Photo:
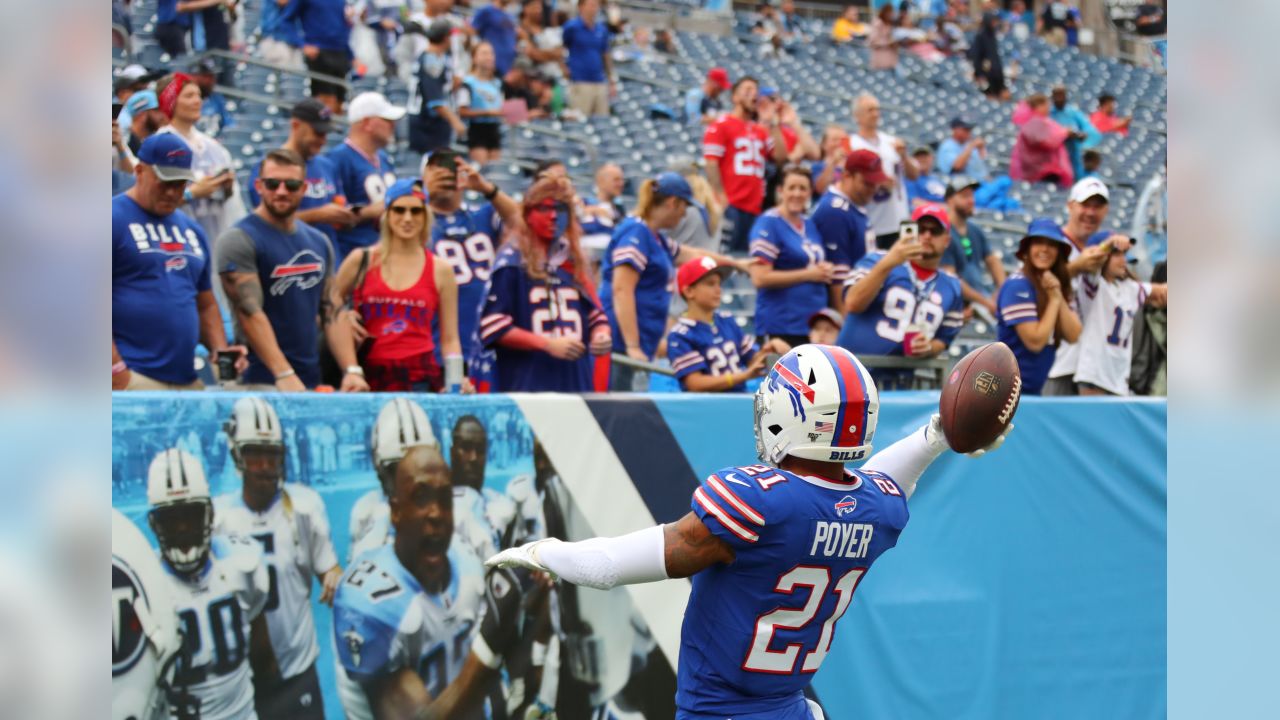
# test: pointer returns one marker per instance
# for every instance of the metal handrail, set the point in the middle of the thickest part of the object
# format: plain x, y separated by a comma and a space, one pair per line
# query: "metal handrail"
128, 39
561, 134
283, 103
631, 362
324, 77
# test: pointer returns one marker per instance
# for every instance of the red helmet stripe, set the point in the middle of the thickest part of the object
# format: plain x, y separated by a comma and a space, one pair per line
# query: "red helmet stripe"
853, 396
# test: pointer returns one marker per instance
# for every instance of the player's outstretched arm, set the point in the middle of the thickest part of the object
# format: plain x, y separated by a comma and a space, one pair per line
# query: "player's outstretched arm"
906, 460
676, 550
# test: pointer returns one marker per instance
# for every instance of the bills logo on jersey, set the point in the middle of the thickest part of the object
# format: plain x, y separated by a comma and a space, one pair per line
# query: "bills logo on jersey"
355, 641
847, 504
304, 270
127, 639
174, 264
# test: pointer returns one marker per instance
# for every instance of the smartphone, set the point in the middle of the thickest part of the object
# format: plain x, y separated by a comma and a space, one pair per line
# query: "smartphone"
227, 365
448, 160
908, 232
116, 107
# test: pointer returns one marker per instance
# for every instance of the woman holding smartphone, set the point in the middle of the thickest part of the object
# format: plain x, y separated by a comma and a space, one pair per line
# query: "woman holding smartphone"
1034, 313
400, 290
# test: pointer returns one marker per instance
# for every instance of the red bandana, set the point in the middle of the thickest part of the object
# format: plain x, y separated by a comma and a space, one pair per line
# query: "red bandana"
169, 98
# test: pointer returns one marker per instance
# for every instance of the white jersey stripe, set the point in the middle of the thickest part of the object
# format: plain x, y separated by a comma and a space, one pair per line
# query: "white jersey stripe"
723, 517
747, 511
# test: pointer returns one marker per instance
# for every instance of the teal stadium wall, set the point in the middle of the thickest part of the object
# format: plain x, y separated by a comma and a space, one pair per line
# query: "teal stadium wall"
1027, 584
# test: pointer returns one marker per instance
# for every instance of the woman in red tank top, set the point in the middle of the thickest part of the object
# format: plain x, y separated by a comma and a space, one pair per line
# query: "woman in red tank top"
400, 289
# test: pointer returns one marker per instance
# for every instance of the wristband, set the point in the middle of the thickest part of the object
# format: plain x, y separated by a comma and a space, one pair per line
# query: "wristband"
728, 382
492, 193
350, 370
287, 373
118, 368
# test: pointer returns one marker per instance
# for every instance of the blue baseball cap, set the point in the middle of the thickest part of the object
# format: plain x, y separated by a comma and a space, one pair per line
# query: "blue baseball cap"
141, 101
1043, 228
673, 184
768, 91
401, 188
168, 155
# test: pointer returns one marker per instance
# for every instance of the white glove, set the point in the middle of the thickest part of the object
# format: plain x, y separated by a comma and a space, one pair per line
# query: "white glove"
935, 435
522, 556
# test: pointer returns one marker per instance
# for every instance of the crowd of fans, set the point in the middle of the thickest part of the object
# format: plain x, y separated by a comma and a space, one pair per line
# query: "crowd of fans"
331, 270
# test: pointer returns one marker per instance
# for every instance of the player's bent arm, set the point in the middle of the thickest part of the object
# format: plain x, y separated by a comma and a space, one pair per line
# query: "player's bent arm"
398, 696
689, 547
600, 563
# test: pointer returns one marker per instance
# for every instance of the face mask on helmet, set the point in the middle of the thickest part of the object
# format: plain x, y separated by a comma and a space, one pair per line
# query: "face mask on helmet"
183, 530
548, 220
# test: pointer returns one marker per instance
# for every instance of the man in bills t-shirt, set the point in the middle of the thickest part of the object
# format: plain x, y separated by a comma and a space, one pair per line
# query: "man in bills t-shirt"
734, 147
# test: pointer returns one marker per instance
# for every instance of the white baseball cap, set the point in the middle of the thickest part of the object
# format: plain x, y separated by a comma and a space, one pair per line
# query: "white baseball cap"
371, 105
1087, 188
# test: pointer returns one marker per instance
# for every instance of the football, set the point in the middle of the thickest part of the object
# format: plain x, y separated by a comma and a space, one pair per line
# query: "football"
980, 397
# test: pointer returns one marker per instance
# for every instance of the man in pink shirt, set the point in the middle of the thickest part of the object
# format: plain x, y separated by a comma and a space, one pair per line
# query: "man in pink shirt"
1104, 118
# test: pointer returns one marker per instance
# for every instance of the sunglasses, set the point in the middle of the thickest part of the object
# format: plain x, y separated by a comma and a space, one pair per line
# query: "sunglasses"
273, 184
401, 210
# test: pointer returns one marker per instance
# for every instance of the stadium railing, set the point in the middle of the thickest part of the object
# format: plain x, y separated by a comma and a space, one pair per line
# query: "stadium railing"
122, 40
250, 60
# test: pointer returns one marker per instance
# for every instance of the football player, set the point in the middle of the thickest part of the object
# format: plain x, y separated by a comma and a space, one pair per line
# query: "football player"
401, 424
144, 626
407, 616
289, 521
775, 550
219, 586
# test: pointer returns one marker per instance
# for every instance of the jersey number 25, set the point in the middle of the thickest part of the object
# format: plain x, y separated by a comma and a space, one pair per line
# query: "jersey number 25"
783, 662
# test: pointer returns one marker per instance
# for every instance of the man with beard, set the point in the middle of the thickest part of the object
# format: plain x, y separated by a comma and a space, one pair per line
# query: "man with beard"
486, 518
278, 274
309, 123
734, 147
290, 523
409, 617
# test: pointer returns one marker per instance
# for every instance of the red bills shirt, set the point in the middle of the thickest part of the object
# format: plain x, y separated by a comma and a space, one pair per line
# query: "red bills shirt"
738, 147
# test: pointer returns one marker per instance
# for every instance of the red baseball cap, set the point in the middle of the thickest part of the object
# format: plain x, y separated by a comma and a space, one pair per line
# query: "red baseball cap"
696, 269
720, 77
867, 164
935, 211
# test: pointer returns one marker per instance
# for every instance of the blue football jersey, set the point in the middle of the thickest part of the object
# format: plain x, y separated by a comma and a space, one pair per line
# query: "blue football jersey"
554, 307
362, 181
757, 629
904, 299
384, 621
716, 348
468, 239
1016, 304
786, 310
652, 255
843, 227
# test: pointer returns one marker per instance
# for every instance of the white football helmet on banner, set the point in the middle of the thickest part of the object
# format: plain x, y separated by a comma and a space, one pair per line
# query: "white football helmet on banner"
819, 403
253, 422
401, 424
181, 511
144, 625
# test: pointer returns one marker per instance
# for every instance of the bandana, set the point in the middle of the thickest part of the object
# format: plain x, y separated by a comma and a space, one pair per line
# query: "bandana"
169, 98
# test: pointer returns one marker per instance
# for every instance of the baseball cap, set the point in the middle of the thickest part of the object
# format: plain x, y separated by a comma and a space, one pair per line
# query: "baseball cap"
922, 150
1087, 188
403, 187
961, 121
372, 105
673, 184
168, 155
1042, 228
867, 164
932, 210
314, 113
131, 75
696, 269
141, 101
438, 31
720, 77
768, 91
956, 183
827, 314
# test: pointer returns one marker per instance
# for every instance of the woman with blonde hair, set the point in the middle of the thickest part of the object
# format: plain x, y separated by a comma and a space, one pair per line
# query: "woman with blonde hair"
400, 290
540, 314
639, 270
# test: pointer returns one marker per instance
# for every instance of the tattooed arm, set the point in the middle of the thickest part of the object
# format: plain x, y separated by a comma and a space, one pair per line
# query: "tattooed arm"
245, 293
689, 547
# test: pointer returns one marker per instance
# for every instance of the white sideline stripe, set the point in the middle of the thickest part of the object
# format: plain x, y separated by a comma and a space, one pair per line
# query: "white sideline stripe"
595, 477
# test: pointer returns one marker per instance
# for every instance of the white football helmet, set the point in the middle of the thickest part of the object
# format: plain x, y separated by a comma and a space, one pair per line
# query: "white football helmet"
254, 423
181, 511
401, 424
144, 626
819, 403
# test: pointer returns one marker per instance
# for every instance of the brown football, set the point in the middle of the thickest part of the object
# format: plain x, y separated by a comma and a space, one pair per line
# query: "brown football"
980, 397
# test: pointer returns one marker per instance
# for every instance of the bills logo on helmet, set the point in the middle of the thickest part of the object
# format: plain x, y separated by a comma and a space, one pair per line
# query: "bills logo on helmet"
127, 639
304, 270
794, 387
847, 504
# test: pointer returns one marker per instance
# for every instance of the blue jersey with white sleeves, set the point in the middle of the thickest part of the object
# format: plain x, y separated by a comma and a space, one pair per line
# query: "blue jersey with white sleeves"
786, 310
930, 298
468, 239
716, 348
757, 629
383, 621
842, 225
1016, 304
556, 306
652, 255
362, 180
